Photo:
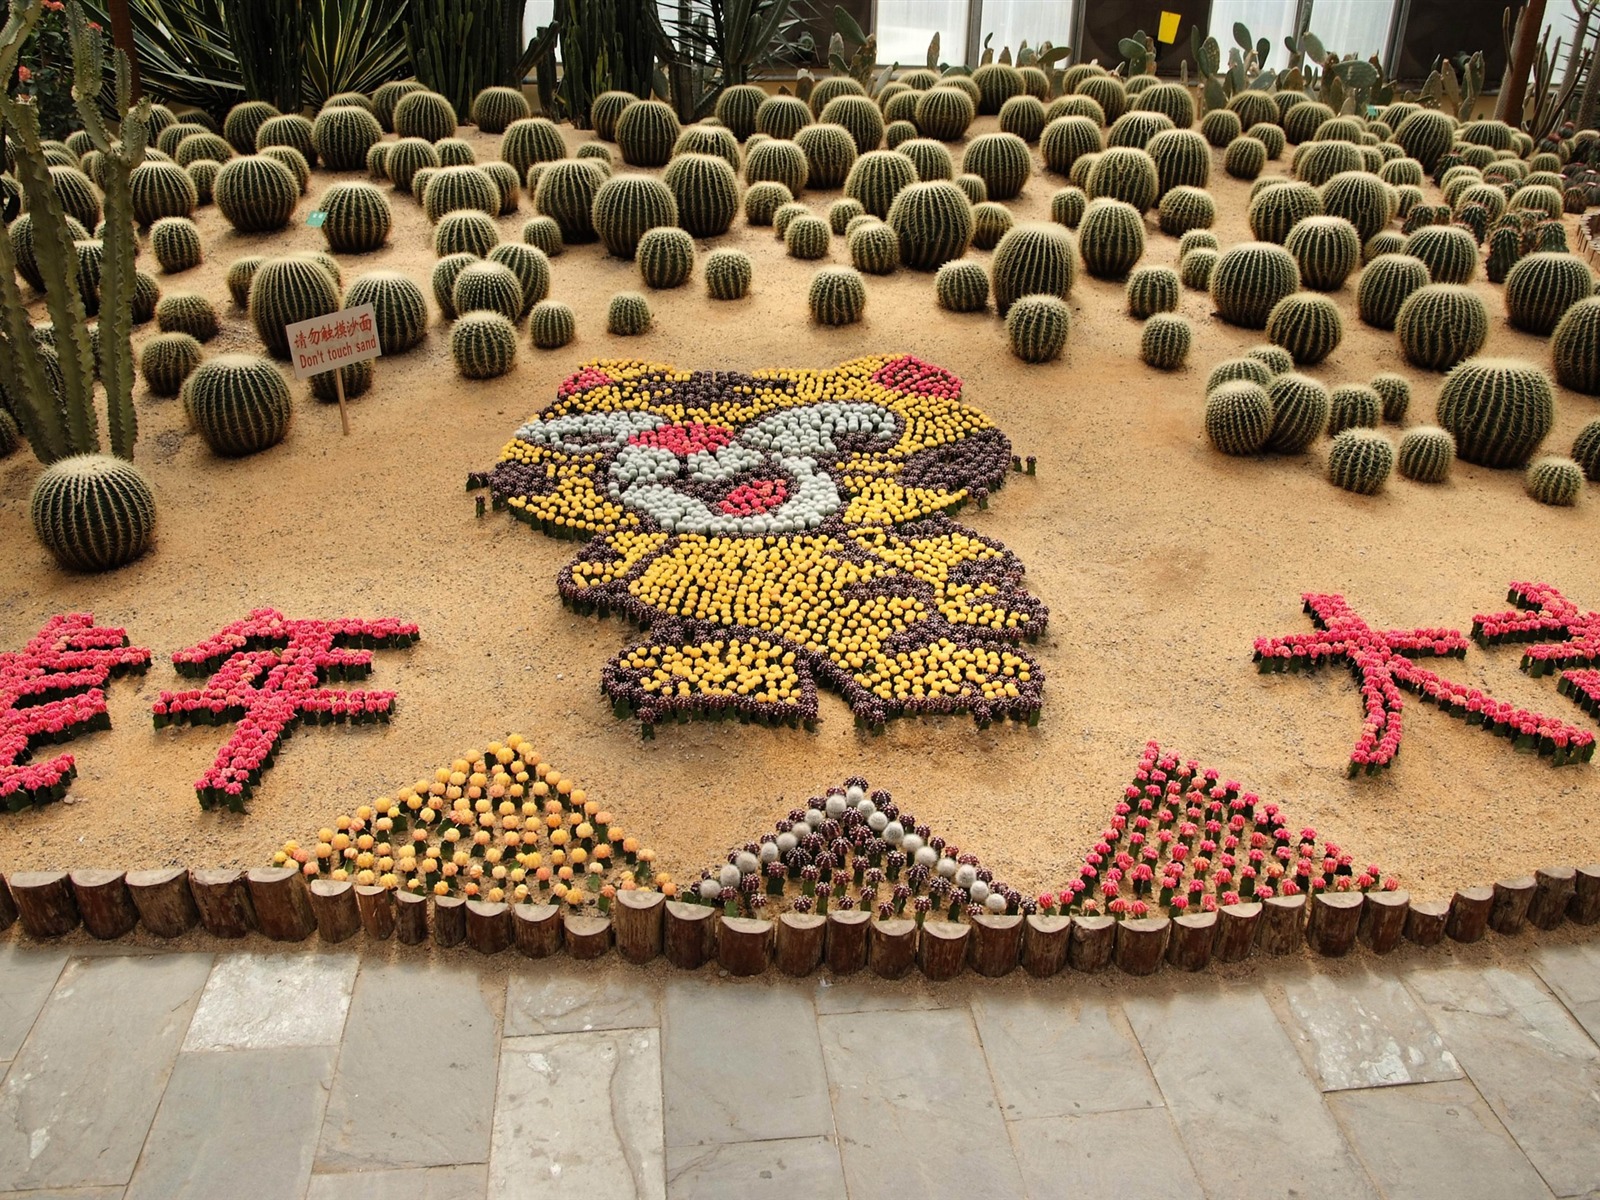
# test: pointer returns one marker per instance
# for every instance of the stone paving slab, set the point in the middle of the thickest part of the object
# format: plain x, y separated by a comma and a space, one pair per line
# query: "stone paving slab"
914, 1106
236, 1123
561, 996
1251, 1118
854, 993
1435, 1140
1573, 974
1363, 1030
783, 1169
1530, 1060
365, 1127
741, 1063
1104, 1156
26, 977
419, 1183
579, 1114
78, 1099
273, 1001
1053, 1055
93, 1193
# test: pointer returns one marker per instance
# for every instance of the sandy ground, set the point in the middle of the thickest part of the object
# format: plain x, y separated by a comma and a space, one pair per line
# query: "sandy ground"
1160, 559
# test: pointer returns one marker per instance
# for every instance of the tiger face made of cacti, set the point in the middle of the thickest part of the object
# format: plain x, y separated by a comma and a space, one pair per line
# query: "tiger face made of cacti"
776, 530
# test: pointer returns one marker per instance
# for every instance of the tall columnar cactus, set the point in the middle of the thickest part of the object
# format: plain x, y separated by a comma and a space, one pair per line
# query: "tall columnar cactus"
566, 193
837, 296
1037, 327
706, 191
1426, 454
1385, 283
728, 274
1250, 279
1498, 409
1110, 238
1165, 341
876, 179
626, 206
1125, 174
551, 325
1441, 324
483, 345
466, 232
1575, 346
933, 222
1033, 259
737, 108
1300, 411
1152, 290
1279, 208
1002, 161
1394, 393
1542, 287
175, 242
962, 287
426, 115
287, 290
1245, 157
239, 404
1182, 159
1353, 406
1238, 417
1360, 461
161, 190
1307, 325
628, 314
256, 194
604, 111
358, 217
398, 307
782, 162
495, 108
665, 257
1327, 250
488, 287
1067, 139
1185, 208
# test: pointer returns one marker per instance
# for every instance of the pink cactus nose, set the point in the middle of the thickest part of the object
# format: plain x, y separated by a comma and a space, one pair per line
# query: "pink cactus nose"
684, 440
755, 497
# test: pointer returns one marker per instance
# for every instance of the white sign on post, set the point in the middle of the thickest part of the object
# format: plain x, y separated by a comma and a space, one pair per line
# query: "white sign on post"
333, 341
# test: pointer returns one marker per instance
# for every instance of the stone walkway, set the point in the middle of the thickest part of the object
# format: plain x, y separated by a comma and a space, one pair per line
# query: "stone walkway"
330, 1075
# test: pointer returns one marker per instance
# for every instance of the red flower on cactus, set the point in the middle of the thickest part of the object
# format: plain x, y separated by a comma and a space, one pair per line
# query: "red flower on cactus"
24, 75
51, 690
267, 674
1542, 611
1383, 662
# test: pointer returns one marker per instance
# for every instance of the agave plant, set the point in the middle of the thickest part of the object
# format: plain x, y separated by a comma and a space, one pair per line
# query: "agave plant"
353, 46
184, 53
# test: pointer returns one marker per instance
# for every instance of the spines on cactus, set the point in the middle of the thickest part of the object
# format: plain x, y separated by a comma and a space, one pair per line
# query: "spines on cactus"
962, 287
1554, 480
1037, 327
628, 205
1301, 408
175, 242
483, 344
284, 291
239, 404
628, 314
551, 325
256, 194
1426, 454
185, 312
728, 274
1360, 461
398, 307
1249, 280
1499, 410
1354, 406
1441, 324
706, 191
837, 296
665, 257
93, 512
167, 360
1238, 417
357, 218
1165, 341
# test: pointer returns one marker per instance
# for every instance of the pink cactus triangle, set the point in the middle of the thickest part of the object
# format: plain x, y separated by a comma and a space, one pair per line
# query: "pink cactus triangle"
1542, 611
1383, 662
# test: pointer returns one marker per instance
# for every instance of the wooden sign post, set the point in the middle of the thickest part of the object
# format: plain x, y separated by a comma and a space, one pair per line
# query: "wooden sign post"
332, 342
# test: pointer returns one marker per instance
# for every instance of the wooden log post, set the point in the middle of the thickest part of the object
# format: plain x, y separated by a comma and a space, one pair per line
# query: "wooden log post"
223, 902
1383, 920
1092, 943
375, 906
800, 939
164, 900
1335, 920
1283, 919
637, 921
1237, 925
45, 903
1194, 935
942, 948
104, 903
536, 930
8, 907
334, 903
449, 921
1553, 888
1426, 921
584, 936
1469, 913
283, 908
1584, 907
689, 936
1044, 944
845, 946
995, 947
744, 945
1141, 944
410, 918
1508, 911
488, 926
892, 947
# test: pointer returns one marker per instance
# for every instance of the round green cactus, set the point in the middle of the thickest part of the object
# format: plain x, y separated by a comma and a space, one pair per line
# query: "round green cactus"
897, 133
728, 274
962, 287
426, 115
405, 158
358, 217
1221, 127
628, 205
1300, 408
628, 314
287, 290
1276, 359
1250, 279
551, 325
1023, 116
1498, 409
1135, 129
997, 83
874, 248
505, 178
973, 187
1196, 239
1326, 249
1554, 480
1067, 206
1249, 368
1441, 324
1182, 159
1426, 454
488, 287
604, 110
1245, 157
192, 145
830, 151
458, 189
295, 161
1402, 172
1575, 346
495, 108
1539, 197
932, 160
1450, 252
355, 378
444, 280
1275, 210
1394, 392
1385, 284
934, 223
1183, 209
1067, 139
1253, 108
807, 237
1238, 417
1172, 100
291, 130
762, 200
566, 193
837, 296
398, 308
342, 136
1032, 259
989, 224
1152, 290
544, 233
842, 212
782, 117
161, 190
1341, 129
858, 116
1002, 161
532, 140
1271, 138
175, 242
944, 113
646, 133
93, 512
1164, 344
238, 403
1426, 135
1361, 199
465, 232
785, 214
782, 162
243, 120
827, 90
1125, 174
737, 108
185, 312
1586, 450
240, 274
1317, 162
256, 194
665, 257
1195, 268
696, 139
1037, 327
483, 345
1542, 287
1386, 242
1360, 461
167, 360
1301, 122
877, 178
1354, 405
1075, 106
387, 96
706, 192
1110, 238
1106, 91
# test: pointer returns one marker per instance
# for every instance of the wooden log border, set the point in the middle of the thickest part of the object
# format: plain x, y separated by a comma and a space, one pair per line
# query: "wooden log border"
278, 903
